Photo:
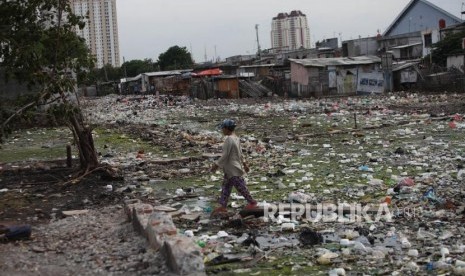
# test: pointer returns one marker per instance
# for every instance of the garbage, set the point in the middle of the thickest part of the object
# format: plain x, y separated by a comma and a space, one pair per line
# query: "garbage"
288, 226
299, 197
346, 242
431, 196
459, 263
337, 272
180, 192
413, 253
222, 234
308, 237
412, 266
189, 233
250, 240
201, 244
405, 243
400, 153
365, 168
15, 232
444, 252
327, 258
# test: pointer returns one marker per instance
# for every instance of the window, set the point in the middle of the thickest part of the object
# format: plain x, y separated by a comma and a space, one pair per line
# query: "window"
428, 40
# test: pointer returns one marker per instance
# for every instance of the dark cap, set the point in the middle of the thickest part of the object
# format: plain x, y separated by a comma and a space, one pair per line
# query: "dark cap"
229, 124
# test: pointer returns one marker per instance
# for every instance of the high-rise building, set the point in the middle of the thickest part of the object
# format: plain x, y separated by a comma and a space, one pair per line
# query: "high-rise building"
290, 32
101, 30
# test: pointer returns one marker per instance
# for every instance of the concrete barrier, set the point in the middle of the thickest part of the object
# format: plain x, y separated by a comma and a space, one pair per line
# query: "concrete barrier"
183, 256
160, 226
140, 217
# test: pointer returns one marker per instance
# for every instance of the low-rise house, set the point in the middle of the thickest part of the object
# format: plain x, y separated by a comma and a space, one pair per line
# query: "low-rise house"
336, 76
227, 87
262, 70
172, 82
405, 75
415, 30
367, 46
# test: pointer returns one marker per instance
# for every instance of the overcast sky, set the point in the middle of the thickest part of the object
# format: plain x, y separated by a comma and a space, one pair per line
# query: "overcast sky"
225, 28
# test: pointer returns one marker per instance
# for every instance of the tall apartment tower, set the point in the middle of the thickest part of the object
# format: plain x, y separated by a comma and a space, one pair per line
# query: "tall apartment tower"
101, 30
290, 32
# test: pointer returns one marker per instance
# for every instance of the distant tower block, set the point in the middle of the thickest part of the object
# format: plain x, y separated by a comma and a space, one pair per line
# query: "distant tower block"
290, 31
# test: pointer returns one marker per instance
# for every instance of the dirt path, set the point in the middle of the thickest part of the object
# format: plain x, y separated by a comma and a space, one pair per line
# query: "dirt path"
101, 242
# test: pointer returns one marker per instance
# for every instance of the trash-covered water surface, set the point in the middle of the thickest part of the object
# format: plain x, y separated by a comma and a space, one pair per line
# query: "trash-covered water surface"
345, 186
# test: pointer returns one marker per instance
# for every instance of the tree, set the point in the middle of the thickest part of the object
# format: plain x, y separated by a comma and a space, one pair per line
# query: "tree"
175, 58
135, 67
450, 44
39, 47
98, 75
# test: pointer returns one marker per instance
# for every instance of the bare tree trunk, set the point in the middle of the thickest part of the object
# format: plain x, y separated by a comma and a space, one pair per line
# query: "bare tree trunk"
85, 143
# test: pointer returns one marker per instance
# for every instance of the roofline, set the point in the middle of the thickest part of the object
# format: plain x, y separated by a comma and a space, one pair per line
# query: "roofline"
409, 5
360, 62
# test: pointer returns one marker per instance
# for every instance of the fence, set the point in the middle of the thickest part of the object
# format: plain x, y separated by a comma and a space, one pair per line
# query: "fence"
439, 79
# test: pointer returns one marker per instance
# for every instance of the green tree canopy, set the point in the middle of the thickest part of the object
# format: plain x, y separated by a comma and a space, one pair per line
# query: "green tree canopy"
135, 67
98, 75
36, 41
175, 58
451, 44
38, 46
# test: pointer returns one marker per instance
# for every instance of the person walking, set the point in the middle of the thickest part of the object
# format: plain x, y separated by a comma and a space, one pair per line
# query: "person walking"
234, 168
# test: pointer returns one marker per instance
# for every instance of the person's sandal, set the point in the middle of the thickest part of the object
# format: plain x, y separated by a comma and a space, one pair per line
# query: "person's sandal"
219, 210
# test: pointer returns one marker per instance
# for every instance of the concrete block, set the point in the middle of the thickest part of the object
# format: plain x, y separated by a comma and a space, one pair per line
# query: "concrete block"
129, 206
159, 227
140, 217
183, 256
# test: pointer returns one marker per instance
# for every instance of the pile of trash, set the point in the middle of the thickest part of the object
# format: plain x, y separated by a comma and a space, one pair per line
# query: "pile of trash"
393, 174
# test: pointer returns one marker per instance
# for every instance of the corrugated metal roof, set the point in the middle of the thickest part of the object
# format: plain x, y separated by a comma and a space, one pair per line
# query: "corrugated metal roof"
138, 77
408, 45
410, 5
258, 65
324, 62
163, 73
398, 67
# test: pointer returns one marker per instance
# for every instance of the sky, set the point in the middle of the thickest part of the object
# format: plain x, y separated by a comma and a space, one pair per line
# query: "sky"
217, 29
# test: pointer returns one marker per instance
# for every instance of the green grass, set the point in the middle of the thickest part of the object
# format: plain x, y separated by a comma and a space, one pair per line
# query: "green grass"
36, 144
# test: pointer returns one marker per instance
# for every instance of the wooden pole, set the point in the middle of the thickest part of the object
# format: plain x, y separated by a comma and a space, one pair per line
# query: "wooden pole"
69, 158
355, 120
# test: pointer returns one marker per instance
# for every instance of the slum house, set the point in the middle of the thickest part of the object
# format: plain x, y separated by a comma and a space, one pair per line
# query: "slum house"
274, 77
131, 85
405, 75
226, 87
336, 76
176, 82
413, 30
204, 86
255, 71
367, 46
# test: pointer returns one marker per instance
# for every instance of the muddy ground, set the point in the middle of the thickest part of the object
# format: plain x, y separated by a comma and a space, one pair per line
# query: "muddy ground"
179, 144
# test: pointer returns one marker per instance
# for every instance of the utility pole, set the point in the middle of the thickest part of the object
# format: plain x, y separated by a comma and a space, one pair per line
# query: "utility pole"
205, 49
125, 73
258, 42
216, 59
